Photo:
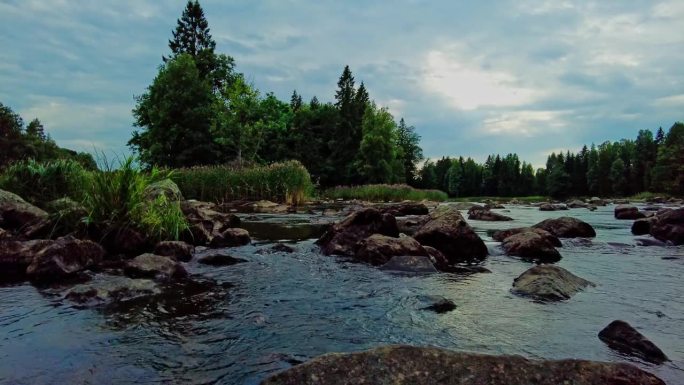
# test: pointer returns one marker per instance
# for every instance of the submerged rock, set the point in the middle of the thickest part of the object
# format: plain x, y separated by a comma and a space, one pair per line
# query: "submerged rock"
448, 232
22, 217
400, 364
549, 283
62, 258
567, 227
625, 211
177, 250
378, 249
111, 289
410, 264
487, 215
621, 336
154, 266
231, 237
342, 238
220, 260
441, 306
668, 226
531, 246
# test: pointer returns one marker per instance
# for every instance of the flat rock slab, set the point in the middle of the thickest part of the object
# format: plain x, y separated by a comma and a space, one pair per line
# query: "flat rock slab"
548, 283
621, 336
408, 365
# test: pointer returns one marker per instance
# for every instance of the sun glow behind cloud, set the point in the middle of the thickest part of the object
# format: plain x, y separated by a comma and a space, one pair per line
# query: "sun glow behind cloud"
468, 87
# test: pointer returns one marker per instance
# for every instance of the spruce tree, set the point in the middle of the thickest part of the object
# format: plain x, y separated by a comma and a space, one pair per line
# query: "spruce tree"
295, 101
347, 139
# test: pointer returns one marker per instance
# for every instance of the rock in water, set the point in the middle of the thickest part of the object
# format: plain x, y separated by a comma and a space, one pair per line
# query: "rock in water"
407, 365
628, 212
406, 208
448, 232
642, 226
549, 283
531, 246
410, 264
567, 227
378, 249
231, 237
18, 215
154, 266
499, 236
206, 221
177, 250
63, 258
621, 336
16, 256
220, 260
342, 237
669, 226
486, 215
442, 306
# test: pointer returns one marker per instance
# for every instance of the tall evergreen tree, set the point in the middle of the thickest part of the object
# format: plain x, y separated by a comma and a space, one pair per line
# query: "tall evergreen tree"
347, 138
411, 153
295, 101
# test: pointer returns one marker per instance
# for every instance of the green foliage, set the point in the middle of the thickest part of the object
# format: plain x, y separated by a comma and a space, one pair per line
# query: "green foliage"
376, 154
384, 193
409, 151
669, 171
287, 182
42, 182
118, 199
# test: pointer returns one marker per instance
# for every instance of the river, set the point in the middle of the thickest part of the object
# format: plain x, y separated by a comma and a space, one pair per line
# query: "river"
278, 309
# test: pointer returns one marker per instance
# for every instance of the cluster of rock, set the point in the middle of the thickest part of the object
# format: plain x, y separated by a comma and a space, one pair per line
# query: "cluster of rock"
442, 238
484, 213
667, 225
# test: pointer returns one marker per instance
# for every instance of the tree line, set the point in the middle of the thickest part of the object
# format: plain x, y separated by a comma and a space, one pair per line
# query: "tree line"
622, 168
22, 142
200, 111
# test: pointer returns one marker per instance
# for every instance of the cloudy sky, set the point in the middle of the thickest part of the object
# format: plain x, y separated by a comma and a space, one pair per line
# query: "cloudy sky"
473, 77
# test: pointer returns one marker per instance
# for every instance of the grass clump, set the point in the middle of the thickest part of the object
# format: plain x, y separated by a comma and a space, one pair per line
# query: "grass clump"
119, 198
287, 182
384, 193
43, 182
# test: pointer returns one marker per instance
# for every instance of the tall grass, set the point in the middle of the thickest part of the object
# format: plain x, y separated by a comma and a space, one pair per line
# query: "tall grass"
384, 193
287, 182
42, 182
118, 198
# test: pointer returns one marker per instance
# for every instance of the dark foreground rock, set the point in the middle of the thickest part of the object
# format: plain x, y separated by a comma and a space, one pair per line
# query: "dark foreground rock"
531, 246
441, 306
155, 266
231, 237
404, 365
642, 226
487, 215
378, 249
627, 212
567, 227
621, 336
410, 264
63, 258
220, 260
448, 232
177, 250
668, 226
548, 283
342, 237
16, 256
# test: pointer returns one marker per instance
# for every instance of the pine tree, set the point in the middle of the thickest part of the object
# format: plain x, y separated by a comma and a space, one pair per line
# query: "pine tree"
295, 101
314, 103
36, 130
347, 138
660, 136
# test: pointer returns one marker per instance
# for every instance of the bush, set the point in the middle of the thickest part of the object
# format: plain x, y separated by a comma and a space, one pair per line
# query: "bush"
384, 193
287, 182
40, 183
119, 198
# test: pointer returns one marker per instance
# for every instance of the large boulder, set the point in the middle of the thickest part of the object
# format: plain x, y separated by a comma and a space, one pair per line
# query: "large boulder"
567, 227
341, 238
206, 221
16, 256
448, 232
642, 226
378, 249
22, 217
410, 264
548, 283
668, 226
487, 215
231, 237
154, 266
531, 246
178, 250
404, 365
63, 258
165, 187
625, 211
501, 235
621, 336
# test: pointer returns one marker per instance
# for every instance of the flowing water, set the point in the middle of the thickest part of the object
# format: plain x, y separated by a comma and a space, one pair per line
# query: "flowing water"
278, 309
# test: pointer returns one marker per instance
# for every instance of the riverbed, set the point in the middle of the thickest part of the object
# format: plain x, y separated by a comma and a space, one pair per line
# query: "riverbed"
278, 309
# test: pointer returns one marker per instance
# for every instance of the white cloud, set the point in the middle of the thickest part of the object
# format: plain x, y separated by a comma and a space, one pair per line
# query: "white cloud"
469, 87
670, 101
526, 123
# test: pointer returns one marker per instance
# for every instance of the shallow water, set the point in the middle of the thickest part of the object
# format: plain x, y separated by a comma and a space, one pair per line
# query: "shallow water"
279, 309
